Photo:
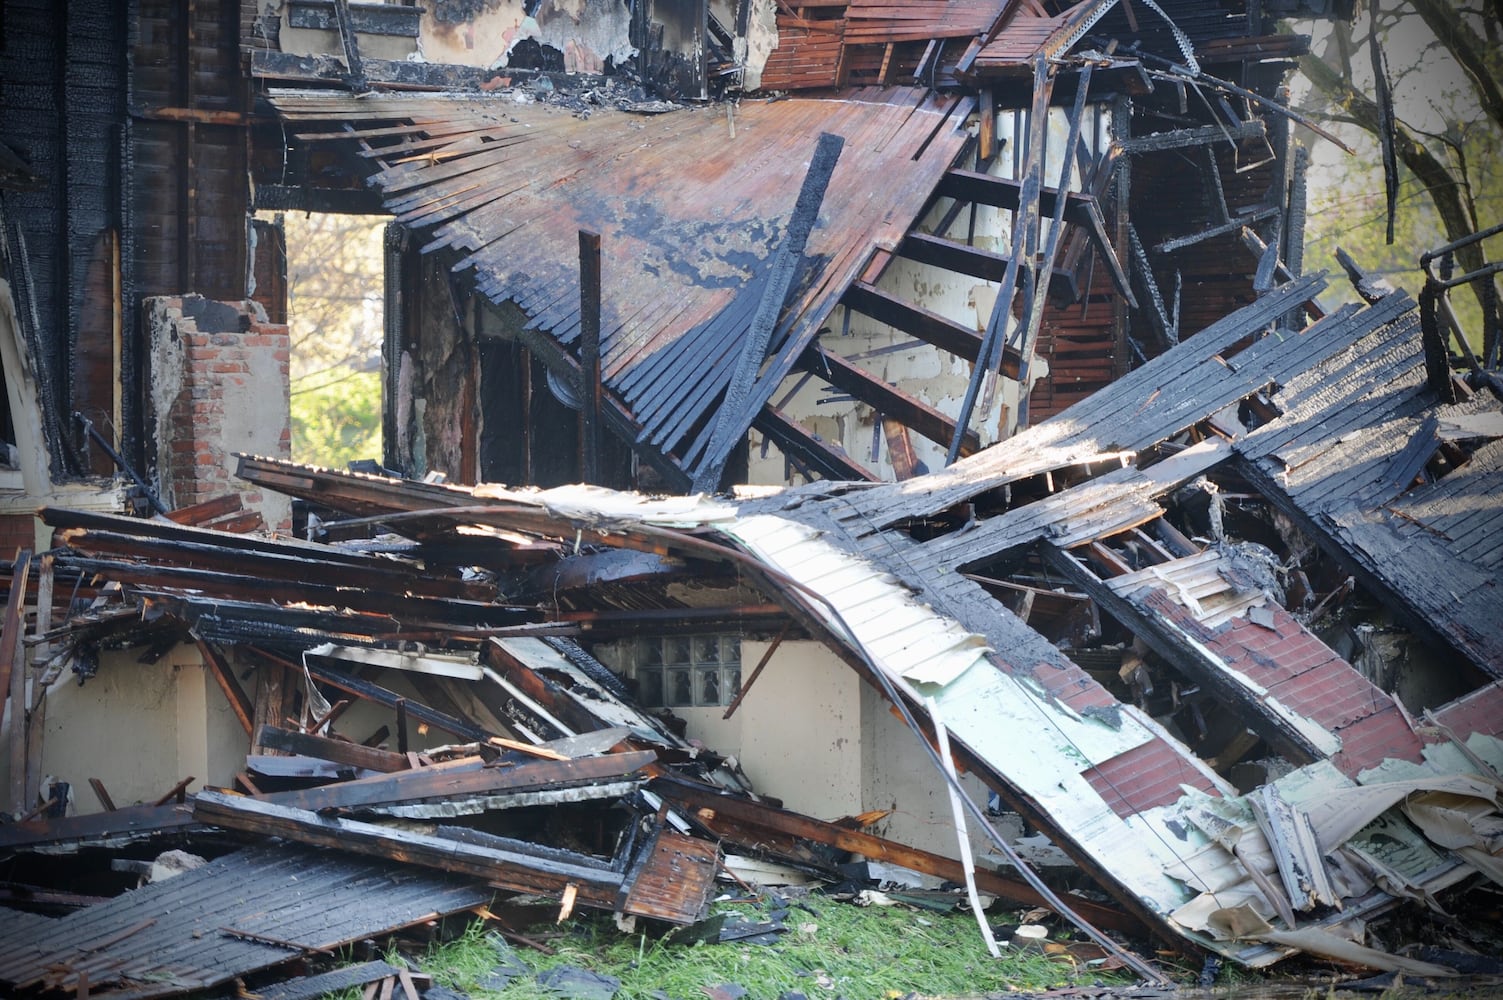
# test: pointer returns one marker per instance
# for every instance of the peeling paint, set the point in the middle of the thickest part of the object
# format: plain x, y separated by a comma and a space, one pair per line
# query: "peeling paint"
583, 34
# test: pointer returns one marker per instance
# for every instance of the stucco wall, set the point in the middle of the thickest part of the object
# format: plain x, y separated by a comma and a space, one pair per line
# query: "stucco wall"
813, 734
139, 728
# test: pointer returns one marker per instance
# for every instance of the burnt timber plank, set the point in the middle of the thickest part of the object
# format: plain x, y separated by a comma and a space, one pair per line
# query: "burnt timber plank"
239, 586
337, 751
505, 869
674, 881
65, 518
462, 781
731, 420
754, 823
1001, 192
886, 399
361, 688
795, 440
337, 980
305, 567
927, 326
106, 828
952, 255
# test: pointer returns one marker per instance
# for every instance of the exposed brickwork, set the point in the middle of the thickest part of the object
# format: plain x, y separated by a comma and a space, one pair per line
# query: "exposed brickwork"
1479, 712
1307, 677
1146, 776
1067, 683
16, 532
1142, 778
222, 376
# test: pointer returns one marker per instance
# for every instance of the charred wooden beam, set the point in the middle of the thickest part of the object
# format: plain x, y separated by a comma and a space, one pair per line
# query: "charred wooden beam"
355, 69
361, 688
466, 779
1000, 192
73, 832
507, 869
952, 255
795, 440
13, 677
410, 609
930, 327
1020, 265
306, 567
590, 389
155, 530
1154, 142
886, 399
731, 418
225, 678
757, 824
540, 704
337, 751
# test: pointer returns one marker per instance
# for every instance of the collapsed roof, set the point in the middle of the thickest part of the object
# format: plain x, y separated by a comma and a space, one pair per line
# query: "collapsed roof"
1376, 806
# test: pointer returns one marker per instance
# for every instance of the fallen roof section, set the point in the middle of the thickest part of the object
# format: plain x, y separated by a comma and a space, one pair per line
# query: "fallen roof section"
242, 912
506, 188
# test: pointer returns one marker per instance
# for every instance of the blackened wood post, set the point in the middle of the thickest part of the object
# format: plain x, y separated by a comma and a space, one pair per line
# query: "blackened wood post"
13, 676
589, 356
739, 406
355, 68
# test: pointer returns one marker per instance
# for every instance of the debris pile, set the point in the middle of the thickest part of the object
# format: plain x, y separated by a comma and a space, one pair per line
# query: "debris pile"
1085, 618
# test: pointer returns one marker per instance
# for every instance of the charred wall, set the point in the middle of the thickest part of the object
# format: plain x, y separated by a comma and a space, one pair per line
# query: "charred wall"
62, 101
132, 115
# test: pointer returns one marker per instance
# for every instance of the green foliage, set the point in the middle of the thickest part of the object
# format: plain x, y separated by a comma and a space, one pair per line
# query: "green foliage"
1442, 62
830, 949
335, 302
336, 420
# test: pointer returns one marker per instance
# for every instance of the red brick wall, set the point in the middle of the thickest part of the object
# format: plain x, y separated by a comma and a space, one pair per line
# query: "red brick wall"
16, 532
222, 384
1309, 678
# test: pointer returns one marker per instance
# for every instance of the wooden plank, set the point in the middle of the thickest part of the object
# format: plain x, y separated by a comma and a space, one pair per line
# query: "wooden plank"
324, 748
102, 795
337, 980
209, 510
13, 677
36, 716
507, 869
732, 417
675, 880
361, 688
466, 779
589, 356
744, 821
799, 443
886, 399
225, 678
905, 461
916, 321
127, 822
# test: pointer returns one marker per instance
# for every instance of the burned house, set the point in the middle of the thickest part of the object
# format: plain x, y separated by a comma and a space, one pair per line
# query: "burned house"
1071, 506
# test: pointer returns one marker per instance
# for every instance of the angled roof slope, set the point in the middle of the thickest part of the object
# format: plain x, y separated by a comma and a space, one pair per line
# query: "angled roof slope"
691, 208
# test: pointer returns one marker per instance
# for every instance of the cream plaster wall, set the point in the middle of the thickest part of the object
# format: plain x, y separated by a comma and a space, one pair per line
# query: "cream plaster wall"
801, 729
139, 728
813, 734
934, 376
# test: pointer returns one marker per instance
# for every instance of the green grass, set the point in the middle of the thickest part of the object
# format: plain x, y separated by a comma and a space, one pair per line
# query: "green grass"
831, 950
